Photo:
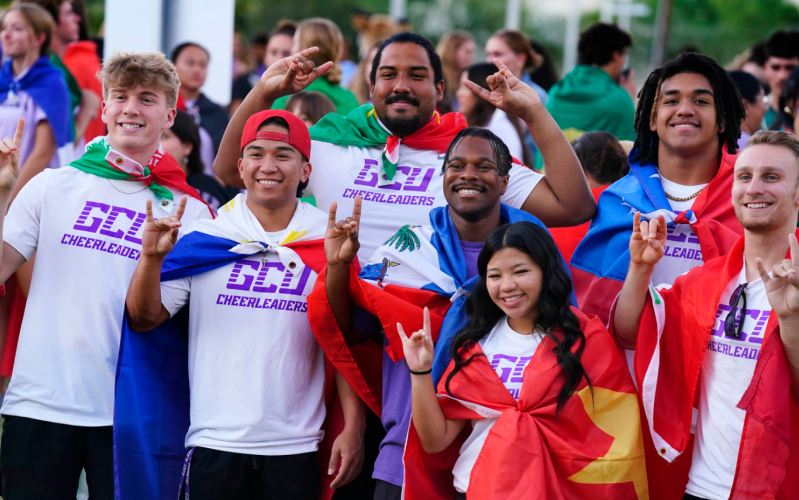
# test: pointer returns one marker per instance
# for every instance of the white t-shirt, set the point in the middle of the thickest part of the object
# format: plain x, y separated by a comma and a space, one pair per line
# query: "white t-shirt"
23, 106
256, 372
340, 173
727, 371
85, 231
509, 354
683, 252
502, 127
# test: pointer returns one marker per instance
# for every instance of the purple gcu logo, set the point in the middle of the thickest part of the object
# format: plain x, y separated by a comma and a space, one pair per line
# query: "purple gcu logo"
108, 221
514, 372
368, 177
251, 275
681, 238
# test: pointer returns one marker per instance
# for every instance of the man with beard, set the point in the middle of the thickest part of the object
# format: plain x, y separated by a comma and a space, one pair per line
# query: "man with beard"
390, 153
724, 336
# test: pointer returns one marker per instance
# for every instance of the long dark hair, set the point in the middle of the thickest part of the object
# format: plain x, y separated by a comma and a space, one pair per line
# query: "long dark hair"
729, 107
555, 319
787, 103
188, 133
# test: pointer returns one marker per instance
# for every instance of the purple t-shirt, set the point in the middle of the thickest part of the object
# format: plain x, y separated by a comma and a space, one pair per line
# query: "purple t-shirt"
397, 397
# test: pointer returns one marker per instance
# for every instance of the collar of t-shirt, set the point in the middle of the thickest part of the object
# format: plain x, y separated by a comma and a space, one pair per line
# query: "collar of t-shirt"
471, 250
680, 191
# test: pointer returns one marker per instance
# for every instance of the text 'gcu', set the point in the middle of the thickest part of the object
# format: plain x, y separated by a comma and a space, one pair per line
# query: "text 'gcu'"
110, 223
415, 181
254, 275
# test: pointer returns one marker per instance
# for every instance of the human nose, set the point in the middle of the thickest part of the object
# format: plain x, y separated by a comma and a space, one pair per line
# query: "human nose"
686, 108
401, 86
468, 172
507, 284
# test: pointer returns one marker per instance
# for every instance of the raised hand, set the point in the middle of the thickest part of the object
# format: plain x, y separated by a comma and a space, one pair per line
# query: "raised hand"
648, 241
783, 288
507, 93
292, 74
341, 238
418, 348
9, 159
159, 236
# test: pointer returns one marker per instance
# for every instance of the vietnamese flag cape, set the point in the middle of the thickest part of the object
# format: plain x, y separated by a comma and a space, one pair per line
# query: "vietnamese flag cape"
672, 341
151, 411
600, 262
362, 129
420, 266
593, 449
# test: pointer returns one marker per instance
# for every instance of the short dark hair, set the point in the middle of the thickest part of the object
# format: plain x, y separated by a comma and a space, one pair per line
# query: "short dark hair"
748, 84
501, 151
260, 38
185, 45
783, 44
409, 37
598, 43
279, 121
729, 107
757, 54
601, 156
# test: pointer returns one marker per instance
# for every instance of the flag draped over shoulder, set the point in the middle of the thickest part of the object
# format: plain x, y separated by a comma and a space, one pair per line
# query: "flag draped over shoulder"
420, 266
593, 449
672, 341
599, 264
151, 411
362, 129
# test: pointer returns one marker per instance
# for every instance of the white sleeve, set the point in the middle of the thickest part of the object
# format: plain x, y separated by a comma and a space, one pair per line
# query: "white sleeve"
175, 294
317, 163
21, 225
521, 183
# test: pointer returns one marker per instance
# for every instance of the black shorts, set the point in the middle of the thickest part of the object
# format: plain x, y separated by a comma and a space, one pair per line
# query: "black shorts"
220, 475
43, 461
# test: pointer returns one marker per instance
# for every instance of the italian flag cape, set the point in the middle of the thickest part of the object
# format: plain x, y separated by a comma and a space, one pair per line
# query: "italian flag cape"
593, 449
672, 341
151, 412
362, 129
418, 267
600, 262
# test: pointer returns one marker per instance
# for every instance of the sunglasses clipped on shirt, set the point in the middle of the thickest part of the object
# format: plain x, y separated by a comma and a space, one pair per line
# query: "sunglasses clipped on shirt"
731, 329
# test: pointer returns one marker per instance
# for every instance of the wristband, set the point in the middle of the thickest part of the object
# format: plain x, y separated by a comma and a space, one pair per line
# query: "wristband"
421, 373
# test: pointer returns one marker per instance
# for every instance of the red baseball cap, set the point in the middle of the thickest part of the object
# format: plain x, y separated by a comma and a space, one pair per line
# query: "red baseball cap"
298, 135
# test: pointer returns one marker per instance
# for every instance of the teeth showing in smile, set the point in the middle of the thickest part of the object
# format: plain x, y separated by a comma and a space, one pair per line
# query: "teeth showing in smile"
511, 299
269, 183
468, 191
756, 205
684, 125
130, 125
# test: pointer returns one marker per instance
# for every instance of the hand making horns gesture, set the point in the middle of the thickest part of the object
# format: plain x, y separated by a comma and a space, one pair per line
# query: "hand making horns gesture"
292, 74
341, 238
648, 241
9, 158
507, 93
418, 348
159, 236
783, 288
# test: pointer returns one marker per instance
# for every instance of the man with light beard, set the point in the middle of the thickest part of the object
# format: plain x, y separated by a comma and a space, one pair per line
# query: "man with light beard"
724, 336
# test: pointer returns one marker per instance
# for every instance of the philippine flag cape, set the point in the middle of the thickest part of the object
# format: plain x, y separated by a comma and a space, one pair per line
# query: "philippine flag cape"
418, 267
593, 449
672, 341
151, 411
600, 262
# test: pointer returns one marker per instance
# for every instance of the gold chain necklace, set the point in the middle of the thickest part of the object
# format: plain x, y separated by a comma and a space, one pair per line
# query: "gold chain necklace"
687, 198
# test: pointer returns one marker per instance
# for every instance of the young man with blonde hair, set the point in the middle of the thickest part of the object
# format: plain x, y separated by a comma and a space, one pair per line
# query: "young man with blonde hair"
84, 222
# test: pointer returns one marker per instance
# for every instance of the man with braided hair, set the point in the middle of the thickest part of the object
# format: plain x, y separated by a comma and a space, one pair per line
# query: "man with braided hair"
688, 123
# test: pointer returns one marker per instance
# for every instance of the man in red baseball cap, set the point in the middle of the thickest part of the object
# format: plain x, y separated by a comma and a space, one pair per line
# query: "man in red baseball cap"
256, 374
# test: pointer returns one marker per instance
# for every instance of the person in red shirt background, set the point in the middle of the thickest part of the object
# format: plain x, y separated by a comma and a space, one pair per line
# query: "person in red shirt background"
604, 161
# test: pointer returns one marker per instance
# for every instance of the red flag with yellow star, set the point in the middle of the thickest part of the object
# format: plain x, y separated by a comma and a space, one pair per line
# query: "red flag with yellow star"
592, 449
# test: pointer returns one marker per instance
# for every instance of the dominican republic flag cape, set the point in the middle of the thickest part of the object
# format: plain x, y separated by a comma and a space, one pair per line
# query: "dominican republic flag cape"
672, 341
46, 85
418, 267
600, 262
151, 412
362, 129
593, 449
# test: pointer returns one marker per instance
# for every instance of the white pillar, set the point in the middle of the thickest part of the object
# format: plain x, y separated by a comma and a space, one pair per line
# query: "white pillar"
208, 23
397, 9
133, 25
572, 36
513, 14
